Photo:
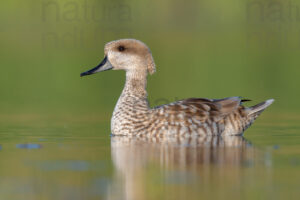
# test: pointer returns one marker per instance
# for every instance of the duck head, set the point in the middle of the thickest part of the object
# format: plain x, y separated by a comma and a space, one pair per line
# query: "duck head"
126, 54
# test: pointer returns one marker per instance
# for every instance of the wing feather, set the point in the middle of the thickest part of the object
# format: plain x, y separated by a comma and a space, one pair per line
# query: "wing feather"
201, 108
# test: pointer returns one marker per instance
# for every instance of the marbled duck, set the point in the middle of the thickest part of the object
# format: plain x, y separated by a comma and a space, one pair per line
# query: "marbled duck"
132, 115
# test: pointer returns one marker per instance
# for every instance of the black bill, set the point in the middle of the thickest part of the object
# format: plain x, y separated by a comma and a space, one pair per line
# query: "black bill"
103, 66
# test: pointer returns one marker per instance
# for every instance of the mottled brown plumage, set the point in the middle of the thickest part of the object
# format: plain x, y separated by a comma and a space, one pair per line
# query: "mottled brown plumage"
189, 117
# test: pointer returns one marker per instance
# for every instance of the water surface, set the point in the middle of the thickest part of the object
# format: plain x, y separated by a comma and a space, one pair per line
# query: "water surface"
78, 159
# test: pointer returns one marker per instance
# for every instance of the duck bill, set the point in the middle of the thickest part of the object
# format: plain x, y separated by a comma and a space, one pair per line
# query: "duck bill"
103, 66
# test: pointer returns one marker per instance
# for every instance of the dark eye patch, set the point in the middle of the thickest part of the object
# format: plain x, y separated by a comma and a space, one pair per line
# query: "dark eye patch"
121, 48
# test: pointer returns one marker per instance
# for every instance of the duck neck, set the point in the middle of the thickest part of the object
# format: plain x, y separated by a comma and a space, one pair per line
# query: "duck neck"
136, 82
132, 103
134, 96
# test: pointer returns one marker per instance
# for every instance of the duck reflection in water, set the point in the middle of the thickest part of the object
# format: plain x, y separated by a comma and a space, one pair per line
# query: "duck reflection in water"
174, 160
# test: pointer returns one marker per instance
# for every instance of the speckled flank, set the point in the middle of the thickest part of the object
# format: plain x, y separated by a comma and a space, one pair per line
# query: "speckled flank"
190, 117
132, 115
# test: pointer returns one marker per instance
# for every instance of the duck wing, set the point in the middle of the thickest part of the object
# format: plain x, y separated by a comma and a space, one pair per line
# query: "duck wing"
200, 109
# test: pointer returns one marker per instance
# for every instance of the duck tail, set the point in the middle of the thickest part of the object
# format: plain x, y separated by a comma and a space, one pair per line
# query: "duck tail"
254, 111
249, 115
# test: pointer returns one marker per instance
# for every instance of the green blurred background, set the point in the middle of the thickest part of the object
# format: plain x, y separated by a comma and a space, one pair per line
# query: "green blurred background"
54, 125
204, 48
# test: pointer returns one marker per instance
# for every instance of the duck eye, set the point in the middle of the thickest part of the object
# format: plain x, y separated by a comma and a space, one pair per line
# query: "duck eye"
121, 48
